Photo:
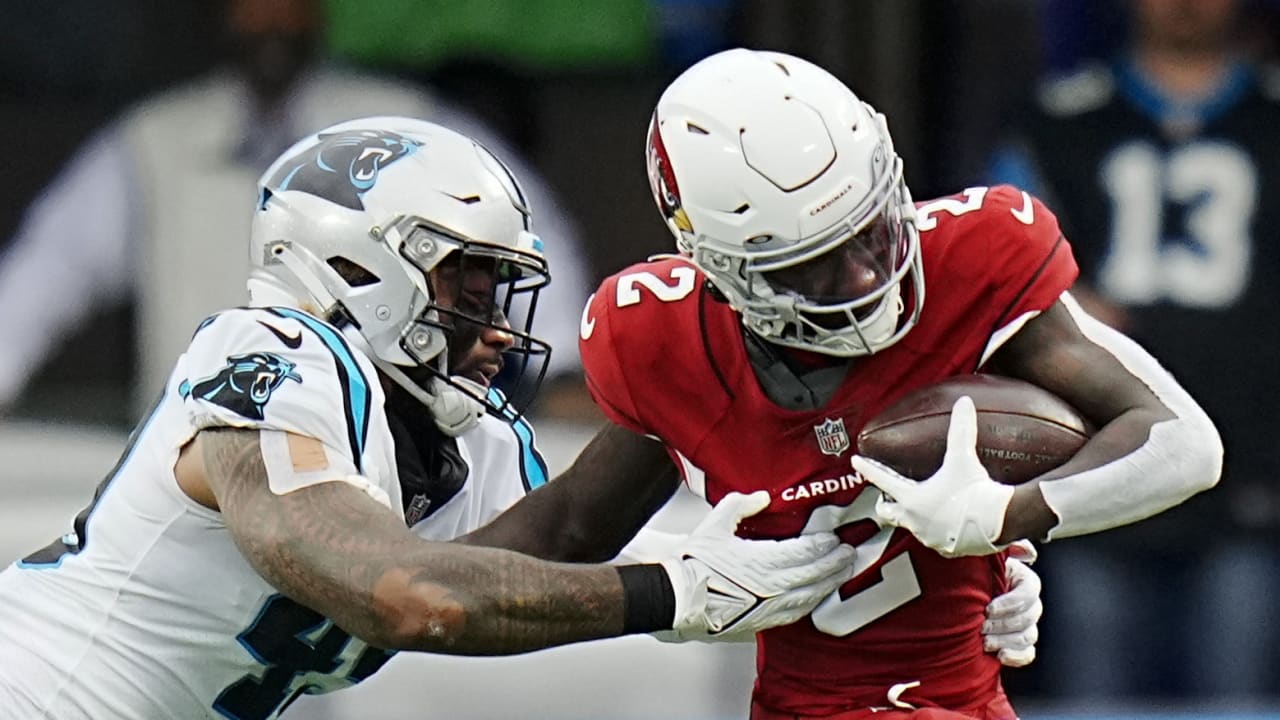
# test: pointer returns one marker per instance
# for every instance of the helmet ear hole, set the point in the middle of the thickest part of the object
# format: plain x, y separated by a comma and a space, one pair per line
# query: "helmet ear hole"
355, 274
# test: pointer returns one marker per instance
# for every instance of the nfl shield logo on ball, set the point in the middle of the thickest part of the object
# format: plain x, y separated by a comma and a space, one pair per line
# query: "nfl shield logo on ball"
832, 439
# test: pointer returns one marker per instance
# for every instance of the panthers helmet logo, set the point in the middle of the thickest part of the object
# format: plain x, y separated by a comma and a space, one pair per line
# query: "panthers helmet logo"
341, 167
245, 385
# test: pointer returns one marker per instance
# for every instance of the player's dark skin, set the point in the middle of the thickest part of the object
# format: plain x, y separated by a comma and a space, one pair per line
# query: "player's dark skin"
333, 548
622, 478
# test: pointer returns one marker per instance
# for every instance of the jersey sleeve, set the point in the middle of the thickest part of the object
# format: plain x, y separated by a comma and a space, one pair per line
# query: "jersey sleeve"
607, 354
279, 369
1031, 259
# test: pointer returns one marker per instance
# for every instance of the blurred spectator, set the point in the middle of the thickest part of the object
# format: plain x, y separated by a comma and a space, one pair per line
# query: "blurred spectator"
156, 206
1163, 168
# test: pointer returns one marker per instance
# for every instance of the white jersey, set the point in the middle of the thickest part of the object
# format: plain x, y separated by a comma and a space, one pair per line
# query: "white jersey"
148, 610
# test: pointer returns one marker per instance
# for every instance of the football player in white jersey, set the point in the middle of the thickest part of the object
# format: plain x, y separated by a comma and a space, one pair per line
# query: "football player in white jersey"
254, 542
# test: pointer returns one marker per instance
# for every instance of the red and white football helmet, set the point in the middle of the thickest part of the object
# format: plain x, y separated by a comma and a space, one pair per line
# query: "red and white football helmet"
785, 190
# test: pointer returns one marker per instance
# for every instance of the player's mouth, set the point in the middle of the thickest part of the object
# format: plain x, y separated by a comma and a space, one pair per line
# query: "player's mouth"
484, 373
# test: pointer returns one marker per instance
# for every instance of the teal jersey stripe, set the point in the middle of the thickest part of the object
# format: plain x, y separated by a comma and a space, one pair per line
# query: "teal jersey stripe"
356, 395
533, 468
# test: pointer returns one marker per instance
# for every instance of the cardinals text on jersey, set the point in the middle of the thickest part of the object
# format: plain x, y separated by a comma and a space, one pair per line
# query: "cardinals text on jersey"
666, 359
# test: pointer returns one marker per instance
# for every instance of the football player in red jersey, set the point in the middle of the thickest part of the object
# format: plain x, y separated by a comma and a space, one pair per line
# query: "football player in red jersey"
795, 311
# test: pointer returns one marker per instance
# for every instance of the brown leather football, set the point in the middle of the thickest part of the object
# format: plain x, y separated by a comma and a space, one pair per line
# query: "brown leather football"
1023, 430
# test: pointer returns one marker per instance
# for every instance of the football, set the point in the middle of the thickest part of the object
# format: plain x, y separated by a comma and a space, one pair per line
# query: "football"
1023, 430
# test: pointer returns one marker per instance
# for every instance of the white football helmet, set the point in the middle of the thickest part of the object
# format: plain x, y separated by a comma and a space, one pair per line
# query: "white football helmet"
784, 189
350, 223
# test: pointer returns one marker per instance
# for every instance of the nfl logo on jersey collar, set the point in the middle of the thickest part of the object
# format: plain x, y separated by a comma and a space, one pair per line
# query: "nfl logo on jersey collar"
832, 438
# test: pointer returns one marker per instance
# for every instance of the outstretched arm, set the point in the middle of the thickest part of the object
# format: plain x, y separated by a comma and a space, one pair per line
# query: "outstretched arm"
336, 550
590, 511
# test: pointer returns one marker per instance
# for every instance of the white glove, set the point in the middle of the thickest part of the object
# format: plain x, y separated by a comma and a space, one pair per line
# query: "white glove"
960, 509
729, 588
1011, 630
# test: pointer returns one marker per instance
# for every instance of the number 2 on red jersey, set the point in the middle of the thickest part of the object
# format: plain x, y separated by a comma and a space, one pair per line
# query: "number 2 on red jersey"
897, 586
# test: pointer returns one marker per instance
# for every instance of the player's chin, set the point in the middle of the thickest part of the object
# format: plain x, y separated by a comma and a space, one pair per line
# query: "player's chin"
486, 372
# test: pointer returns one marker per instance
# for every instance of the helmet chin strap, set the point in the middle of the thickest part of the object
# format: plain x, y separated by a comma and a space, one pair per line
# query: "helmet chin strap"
454, 410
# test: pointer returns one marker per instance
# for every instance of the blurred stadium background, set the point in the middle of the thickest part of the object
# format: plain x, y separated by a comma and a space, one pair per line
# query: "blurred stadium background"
570, 84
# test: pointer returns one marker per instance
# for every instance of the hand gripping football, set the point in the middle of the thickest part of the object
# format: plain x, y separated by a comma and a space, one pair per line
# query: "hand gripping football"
1023, 430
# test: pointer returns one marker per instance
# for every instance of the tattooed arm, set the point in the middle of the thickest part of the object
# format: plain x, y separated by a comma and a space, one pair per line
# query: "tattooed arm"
337, 551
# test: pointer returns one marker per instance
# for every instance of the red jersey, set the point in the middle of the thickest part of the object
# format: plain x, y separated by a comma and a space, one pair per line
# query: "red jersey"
664, 358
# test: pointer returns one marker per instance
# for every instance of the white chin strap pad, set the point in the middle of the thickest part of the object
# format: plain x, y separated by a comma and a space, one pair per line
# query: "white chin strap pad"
455, 411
